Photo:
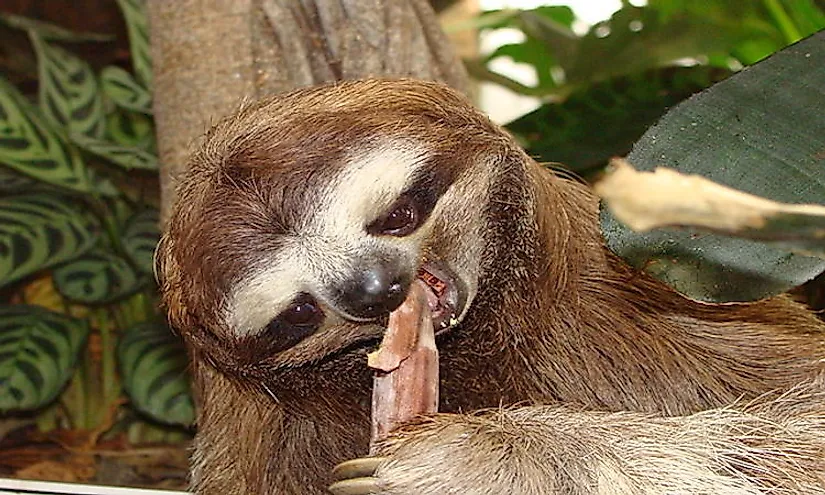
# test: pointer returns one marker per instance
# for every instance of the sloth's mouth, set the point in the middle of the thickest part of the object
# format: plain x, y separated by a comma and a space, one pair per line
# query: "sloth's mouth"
444, 297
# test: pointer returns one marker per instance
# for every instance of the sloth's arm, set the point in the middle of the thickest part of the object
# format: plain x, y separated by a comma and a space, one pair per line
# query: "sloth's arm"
775, 447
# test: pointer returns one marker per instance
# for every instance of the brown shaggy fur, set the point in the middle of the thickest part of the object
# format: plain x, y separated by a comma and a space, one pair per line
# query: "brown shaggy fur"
557, 320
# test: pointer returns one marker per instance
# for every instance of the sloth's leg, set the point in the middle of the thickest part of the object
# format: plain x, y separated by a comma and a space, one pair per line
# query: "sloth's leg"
774, 446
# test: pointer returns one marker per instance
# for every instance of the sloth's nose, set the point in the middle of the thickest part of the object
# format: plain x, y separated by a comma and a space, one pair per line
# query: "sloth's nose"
378, 289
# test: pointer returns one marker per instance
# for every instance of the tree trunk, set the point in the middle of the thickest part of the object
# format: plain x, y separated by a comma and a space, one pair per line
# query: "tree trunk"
209, 55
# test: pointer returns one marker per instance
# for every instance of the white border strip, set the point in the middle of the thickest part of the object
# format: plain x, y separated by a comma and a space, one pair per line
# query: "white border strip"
25, 487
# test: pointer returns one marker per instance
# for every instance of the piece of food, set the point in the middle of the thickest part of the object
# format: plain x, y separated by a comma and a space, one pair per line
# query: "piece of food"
406, 364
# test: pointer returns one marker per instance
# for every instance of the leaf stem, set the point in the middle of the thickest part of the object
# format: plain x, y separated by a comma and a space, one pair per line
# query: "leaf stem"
76, 403
783, 21
111, 389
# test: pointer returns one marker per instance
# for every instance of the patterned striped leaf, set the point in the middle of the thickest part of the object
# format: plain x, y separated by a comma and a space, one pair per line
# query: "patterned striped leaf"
135, 13
39, 230
131, 129
13, 182
140, 238
122, 88
154, 369
38, 350
30, 146
104, 186
97, 277
124, 156
69, 94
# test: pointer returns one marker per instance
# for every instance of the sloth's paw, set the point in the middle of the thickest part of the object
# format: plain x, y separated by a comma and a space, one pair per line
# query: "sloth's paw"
445, 454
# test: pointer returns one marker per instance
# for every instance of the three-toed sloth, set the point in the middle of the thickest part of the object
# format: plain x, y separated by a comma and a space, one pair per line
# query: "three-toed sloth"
301, 224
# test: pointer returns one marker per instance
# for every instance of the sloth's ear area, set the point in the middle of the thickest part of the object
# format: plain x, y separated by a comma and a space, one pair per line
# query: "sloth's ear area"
160, 259
167, 273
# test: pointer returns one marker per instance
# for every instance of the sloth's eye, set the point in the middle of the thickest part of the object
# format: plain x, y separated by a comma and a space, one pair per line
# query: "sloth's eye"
402, 219
303, 312
300, 320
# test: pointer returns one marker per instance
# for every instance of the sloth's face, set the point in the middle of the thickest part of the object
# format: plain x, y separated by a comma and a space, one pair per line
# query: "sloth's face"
304, 220
330, 254
363, 243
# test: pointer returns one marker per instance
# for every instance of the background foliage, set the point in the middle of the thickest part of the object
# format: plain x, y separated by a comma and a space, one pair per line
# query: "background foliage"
81, 324
603, 88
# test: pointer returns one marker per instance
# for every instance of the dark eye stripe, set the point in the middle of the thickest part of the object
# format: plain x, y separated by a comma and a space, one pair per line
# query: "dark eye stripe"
301, 319
402, 218
426, 188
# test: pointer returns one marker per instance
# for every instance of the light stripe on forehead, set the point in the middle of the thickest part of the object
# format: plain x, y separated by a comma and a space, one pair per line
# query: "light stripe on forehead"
370, 182
264, 294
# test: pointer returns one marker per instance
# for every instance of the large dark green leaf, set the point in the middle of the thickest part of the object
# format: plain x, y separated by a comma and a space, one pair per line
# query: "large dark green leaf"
124, 156
40, 230
122, 88
140, 238
97, 277
69, 94
759, 131
135, 13
31, 146
38, 350
154, 368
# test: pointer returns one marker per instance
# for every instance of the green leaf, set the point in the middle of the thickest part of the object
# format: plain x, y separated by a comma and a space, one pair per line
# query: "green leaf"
140, 238
31, 146
13, 182
154, 368
122, 88
129, 158
621, 109
135, 13
38, 351
639, 39
105, 187
807, 16
40, 230
97, 277
548, 39
552, 27
131, 129
759, 131
50, 31
69, 95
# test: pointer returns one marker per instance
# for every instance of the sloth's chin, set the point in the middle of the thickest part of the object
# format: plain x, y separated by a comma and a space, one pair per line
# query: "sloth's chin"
445, 295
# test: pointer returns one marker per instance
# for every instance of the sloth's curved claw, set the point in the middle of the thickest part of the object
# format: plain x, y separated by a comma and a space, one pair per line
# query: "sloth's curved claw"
355, 486
355, 477
356, 468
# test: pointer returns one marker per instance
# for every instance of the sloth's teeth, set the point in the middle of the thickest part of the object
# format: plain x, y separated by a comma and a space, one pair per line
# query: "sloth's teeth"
451, 322
440, 297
